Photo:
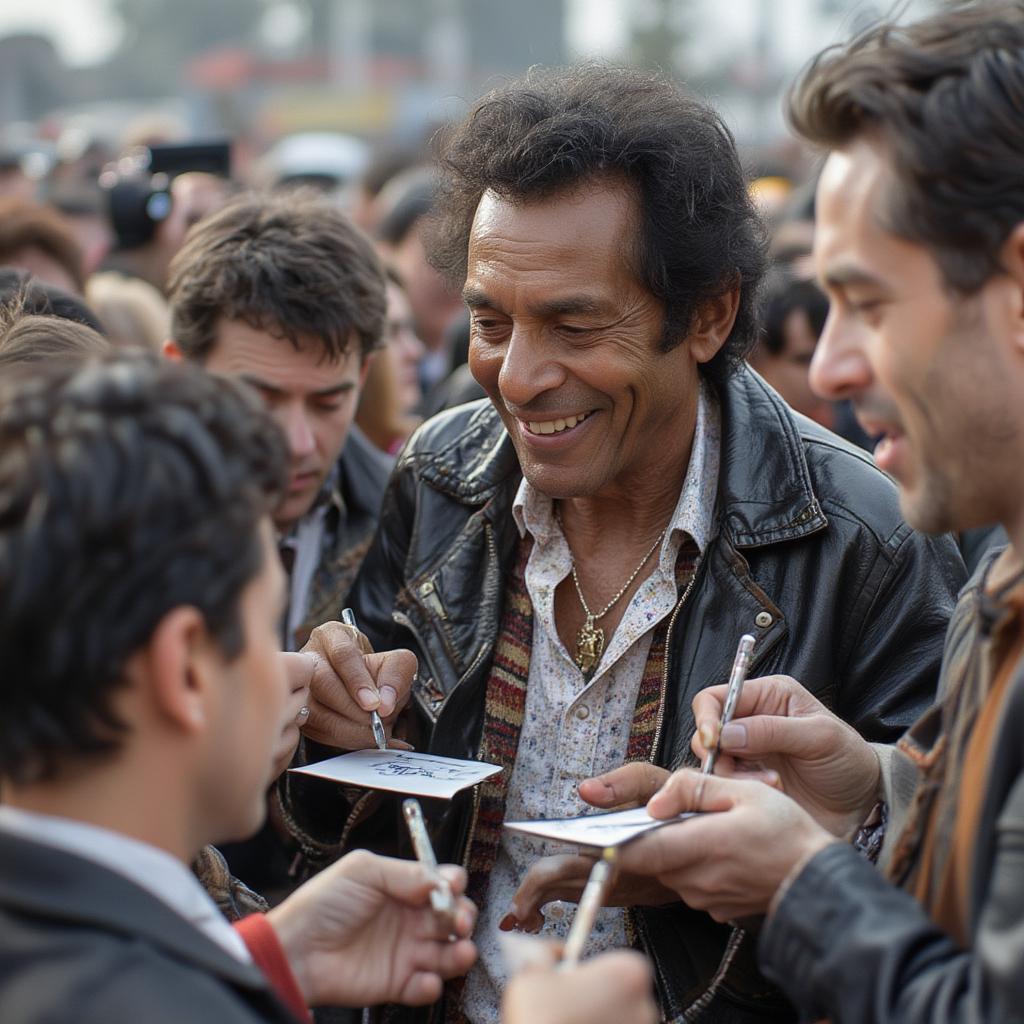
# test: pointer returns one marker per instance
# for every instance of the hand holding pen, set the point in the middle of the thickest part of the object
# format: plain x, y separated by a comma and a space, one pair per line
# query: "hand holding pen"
738, 676
379, 736
348, 681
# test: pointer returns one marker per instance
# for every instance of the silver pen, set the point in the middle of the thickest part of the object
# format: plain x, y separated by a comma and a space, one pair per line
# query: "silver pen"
441, 895
379, 736
590, 904
738, 676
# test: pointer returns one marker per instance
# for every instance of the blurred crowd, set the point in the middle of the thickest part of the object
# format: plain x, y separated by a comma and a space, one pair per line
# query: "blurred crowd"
104, 224
570, 411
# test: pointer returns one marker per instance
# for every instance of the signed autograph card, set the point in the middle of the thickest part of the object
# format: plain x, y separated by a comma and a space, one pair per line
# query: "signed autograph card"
402, 771
602, 830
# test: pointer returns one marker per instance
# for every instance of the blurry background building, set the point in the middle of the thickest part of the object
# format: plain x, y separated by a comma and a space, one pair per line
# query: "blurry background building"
260, 69
107, 108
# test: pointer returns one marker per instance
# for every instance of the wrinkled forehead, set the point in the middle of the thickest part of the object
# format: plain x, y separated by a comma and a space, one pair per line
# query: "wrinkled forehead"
581, 234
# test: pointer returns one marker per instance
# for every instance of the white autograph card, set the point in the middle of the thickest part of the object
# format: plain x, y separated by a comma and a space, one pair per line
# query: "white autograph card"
402, 771
601, 830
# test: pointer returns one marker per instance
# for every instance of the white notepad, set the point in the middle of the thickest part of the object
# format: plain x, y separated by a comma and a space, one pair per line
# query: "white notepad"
402, 771
601, 830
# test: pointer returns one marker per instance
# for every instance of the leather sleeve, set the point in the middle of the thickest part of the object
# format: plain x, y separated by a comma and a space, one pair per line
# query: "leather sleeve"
846, 944
893, 638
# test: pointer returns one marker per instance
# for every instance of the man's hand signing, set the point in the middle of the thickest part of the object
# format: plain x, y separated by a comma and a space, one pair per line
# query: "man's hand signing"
563, 877
730, 863
784, 736
348, 681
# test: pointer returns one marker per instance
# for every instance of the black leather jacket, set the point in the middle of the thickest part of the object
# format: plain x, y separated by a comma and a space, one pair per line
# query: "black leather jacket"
811, 556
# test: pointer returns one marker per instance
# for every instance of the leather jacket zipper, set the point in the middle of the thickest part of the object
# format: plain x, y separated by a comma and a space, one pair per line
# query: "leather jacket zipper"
660, 720
403, 620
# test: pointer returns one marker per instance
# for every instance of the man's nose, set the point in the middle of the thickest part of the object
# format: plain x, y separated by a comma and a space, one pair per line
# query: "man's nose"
299, 431
840, 368
528, 369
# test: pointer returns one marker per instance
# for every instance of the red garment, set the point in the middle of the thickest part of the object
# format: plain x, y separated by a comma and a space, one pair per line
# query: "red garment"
261, 939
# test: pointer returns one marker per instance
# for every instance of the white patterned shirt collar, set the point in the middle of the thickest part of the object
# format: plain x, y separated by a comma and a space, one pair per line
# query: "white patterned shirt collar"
694, 513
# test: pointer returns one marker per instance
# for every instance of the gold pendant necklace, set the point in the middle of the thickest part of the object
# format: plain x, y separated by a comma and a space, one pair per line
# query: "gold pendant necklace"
590, 638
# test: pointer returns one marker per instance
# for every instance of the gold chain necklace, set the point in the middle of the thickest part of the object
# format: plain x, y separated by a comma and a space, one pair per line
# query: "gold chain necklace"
590, 638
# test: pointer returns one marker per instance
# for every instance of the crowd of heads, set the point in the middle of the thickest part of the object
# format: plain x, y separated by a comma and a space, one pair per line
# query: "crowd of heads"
169, 413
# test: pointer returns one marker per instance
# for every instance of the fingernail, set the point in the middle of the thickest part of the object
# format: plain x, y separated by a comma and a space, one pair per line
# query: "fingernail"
771, 777
368, 700
734, 736
707, 735
508, 923
388, 698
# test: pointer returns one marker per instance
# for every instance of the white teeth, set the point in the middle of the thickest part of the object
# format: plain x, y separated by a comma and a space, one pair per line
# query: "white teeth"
555, 426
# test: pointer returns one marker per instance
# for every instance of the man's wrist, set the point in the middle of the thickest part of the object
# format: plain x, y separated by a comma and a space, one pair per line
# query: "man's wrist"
288, 928
817, 841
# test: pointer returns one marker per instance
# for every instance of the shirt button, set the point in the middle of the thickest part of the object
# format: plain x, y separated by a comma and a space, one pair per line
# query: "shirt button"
763, 619
582, 712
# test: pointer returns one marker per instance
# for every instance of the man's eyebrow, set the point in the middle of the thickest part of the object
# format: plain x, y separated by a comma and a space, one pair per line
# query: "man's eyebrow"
475, 297
573, 305
845, 276
262, 385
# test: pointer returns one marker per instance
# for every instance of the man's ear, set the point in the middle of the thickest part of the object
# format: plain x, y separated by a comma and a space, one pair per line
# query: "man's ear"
365, 369
712, 324
172, 350
1013, 263
178, 664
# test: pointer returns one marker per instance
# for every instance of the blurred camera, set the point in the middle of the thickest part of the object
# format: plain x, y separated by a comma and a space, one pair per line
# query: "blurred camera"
138, 186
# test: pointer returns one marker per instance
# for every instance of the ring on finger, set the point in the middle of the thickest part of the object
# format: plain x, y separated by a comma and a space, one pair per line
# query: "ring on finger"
302, 716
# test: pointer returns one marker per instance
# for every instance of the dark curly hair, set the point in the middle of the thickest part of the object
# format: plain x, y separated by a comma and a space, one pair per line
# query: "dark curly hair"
699, 233
128, 487
946, 97
288, 263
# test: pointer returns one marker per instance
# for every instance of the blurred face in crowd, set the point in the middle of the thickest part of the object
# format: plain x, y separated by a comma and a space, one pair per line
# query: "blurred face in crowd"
788, 371
434, 305
925, 367
194, 195
567, 342
402, 349
311, 397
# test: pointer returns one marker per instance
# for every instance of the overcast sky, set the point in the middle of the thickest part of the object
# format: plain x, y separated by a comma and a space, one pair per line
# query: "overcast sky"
84, 31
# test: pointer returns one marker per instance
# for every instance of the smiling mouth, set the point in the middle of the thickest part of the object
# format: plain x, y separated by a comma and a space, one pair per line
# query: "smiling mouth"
553, 426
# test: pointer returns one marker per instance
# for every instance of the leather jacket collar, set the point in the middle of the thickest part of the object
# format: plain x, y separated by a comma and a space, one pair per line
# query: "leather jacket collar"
765, 493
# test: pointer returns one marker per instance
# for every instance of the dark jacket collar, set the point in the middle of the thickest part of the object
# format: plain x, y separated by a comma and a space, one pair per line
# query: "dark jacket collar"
362, 474
51, 884
765, 492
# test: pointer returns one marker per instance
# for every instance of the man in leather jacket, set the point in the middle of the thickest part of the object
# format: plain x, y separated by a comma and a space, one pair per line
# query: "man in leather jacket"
921, 246
573, 560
